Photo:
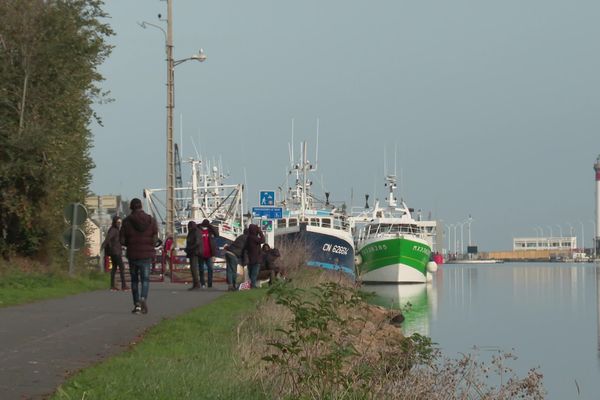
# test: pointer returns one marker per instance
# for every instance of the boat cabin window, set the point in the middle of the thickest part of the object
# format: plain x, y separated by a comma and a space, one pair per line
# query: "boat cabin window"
314, 222
281, 223
292, 222
326, 223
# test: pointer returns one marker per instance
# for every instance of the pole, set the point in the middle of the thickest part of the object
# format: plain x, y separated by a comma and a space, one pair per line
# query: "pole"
170, 106
462, 243
72, 245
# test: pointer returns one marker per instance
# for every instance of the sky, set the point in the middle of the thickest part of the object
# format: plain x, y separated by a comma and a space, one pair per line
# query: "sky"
491, 105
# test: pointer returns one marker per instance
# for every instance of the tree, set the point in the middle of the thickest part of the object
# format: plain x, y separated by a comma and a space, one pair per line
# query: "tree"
49, 54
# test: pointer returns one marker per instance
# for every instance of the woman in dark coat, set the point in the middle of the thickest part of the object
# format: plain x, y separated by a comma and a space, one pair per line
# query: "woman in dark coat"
112, 248
192, 248
253, 242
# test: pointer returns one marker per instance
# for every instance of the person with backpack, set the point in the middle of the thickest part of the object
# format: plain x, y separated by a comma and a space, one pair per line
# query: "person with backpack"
192, 251
139, 233
112, 248
234, 255
253, 242
207, 251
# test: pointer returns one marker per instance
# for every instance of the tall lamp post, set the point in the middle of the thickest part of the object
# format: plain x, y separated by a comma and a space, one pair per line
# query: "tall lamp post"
450, 227
171, 64
582, 236
469, 220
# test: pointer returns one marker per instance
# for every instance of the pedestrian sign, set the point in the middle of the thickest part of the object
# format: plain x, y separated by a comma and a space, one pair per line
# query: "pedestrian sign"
266, 225
266, 198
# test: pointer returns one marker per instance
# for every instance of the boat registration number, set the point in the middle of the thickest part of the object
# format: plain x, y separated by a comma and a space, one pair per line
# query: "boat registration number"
335, 249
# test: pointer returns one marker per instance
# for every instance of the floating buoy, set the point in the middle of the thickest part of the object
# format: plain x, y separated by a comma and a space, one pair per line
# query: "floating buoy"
432, 266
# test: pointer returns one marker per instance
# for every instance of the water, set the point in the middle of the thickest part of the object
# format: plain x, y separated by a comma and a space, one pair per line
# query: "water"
548, 313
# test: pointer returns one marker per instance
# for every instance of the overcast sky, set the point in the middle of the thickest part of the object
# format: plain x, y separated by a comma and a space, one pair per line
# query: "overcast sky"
493, 105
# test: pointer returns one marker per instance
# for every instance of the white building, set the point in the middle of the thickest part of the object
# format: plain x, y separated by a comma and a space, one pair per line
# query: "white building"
545, 243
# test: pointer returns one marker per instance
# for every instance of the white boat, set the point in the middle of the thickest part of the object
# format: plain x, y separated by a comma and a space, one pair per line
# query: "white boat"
206, 197
391, 246
317, 227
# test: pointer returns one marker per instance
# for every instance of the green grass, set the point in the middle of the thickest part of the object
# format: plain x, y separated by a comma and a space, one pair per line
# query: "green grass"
189, 357
18, 287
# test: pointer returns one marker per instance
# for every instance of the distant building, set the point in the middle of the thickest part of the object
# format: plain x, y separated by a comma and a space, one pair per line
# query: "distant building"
101, 210
545, 243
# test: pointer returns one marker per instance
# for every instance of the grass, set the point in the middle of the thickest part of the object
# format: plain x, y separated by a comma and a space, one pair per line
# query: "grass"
191, 356
18, 287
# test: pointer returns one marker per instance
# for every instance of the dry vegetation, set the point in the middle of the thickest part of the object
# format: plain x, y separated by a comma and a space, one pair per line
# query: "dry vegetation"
315, 337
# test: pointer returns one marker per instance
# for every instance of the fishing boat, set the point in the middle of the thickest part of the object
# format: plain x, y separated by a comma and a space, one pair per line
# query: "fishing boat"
315, 226
206, 197
391, 246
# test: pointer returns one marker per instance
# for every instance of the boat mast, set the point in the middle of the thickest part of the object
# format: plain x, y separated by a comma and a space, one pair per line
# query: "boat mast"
195, 204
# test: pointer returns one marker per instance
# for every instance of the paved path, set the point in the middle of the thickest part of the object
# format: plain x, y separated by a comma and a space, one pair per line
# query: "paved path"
42, 343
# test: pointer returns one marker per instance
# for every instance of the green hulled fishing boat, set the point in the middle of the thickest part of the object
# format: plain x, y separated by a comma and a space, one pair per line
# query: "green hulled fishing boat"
391, 245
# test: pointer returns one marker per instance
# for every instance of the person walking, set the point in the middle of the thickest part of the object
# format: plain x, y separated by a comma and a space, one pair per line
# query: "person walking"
234, 255
112, 248
166, 253
139, 234
192, 251
208, 250
253, 242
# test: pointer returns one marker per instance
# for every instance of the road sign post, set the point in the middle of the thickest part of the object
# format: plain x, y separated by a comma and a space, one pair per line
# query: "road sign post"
74, 238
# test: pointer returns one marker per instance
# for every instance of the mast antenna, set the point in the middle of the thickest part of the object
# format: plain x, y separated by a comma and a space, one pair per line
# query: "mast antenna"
292, 142
181, 132
396, 159
317, 148
195, 149
384, 162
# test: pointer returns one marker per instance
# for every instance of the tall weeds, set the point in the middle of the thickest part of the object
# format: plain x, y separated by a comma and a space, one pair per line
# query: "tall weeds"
325, 342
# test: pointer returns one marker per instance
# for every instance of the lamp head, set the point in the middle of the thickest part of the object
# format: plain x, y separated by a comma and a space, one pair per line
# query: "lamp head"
201, 56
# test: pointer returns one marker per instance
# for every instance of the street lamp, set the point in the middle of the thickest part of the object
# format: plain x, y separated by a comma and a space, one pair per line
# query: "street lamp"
469, 228
560, 230
455, 238
171, 64
462, 243
450, 226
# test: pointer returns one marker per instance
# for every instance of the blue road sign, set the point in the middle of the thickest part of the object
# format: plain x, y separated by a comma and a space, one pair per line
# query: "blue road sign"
266, 198
268, 212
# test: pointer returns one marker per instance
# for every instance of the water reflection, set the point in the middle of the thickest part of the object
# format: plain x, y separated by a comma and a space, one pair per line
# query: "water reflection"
549, 313
398, 297
597, 270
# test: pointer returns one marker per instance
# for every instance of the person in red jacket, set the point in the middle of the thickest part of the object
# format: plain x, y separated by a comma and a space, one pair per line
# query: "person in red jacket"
139, 233
207, 251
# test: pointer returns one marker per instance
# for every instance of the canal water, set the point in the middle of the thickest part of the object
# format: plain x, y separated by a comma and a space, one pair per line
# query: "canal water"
548, 314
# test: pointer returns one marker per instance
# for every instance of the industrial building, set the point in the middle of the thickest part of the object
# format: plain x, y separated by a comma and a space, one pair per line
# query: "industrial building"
545, 243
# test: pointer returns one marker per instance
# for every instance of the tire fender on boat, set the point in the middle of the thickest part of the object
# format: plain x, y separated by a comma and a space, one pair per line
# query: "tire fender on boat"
432, 266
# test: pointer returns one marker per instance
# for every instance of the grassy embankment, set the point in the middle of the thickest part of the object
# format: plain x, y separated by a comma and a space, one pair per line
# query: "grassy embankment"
190, 357
308, 339
25, 282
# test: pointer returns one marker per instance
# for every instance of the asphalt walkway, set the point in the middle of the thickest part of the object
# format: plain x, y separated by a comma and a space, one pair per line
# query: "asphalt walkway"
44, 342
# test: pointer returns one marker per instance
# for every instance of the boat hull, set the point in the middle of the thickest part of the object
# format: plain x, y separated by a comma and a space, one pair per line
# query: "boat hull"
325, 248
401, 259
